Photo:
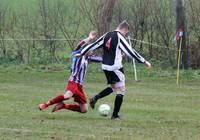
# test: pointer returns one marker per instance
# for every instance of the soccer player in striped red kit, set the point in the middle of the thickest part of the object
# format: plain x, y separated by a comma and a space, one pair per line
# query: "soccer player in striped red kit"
75, 83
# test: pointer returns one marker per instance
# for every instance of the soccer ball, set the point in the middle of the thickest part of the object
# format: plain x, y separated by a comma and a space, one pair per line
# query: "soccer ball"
104, 109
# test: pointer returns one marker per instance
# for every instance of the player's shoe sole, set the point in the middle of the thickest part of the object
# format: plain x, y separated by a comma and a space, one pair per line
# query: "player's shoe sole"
59, 106
115, 118
42, 106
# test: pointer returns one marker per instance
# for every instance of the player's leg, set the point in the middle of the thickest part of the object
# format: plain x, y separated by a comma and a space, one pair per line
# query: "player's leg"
105, 92
68, 94
120, 91
119, 88
82, 108
79, 97
111, 77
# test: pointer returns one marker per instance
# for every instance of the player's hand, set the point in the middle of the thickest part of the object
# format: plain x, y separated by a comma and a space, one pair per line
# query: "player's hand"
148, 64
78, 55
92, 35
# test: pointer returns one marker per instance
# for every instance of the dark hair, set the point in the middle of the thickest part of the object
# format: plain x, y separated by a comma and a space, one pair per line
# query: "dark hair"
123, 24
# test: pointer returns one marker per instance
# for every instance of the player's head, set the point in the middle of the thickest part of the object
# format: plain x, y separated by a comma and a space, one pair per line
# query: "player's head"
123, 28
91, 37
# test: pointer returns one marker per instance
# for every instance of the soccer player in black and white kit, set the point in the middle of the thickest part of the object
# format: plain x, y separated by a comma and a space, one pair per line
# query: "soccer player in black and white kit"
114, 45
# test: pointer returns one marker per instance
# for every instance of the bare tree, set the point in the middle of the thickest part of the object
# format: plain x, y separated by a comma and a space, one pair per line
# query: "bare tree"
3, 12
138, 13
193, 24
105, 15
14, 33
28, 30
89, 10
194, 17
49, 30
65, 21
118, 13
160, 29
99, 13
164, 21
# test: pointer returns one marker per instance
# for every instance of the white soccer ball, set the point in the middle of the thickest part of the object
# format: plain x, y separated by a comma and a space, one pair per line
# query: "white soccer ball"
104, 109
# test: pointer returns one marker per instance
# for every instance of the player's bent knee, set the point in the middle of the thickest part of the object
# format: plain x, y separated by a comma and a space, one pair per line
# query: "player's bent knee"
123, 89
120, 90
68, 94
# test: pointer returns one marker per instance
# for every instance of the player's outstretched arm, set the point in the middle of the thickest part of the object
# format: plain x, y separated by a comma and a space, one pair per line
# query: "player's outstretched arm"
84, 42
128, 50
97, 44
148, 64
94, 58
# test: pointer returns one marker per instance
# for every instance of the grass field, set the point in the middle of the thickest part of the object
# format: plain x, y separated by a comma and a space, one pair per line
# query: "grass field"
154, 108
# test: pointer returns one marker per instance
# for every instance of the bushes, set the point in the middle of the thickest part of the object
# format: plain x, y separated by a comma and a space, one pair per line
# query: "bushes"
194, 55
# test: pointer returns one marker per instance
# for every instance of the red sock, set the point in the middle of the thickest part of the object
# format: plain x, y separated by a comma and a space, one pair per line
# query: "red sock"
73, 107
57, 99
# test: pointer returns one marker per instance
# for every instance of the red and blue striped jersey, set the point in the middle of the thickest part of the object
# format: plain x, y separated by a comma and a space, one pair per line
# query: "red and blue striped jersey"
79, 65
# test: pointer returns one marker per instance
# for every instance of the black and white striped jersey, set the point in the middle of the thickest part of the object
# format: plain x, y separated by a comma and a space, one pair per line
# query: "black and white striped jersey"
113, 44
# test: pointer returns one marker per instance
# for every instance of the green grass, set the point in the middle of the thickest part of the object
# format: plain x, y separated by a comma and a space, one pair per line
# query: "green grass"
153, 109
